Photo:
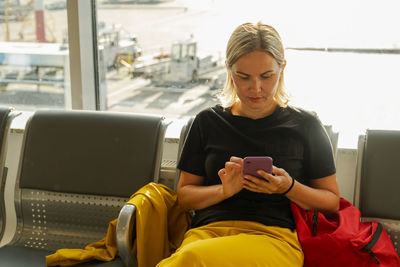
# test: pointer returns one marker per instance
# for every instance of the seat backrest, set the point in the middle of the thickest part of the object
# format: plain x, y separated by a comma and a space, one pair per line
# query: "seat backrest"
182, 139
378, 180
77, 169
5, 120
334, 137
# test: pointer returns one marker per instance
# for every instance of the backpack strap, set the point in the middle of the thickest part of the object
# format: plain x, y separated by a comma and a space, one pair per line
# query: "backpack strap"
315, 223
368, 247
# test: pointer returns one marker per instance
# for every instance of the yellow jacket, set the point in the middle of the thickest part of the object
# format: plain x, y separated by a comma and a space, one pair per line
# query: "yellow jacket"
160, 227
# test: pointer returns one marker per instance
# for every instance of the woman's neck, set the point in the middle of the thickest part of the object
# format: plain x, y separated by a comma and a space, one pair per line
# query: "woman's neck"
239, 110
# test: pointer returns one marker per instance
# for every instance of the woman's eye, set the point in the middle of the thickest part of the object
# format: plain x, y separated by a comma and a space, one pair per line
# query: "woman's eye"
266, 77
243, 77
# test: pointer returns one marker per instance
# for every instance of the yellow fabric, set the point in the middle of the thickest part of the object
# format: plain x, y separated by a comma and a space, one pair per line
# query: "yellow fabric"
160, 227
237, 243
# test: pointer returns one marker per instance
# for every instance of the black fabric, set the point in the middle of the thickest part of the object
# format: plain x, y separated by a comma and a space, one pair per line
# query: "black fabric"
294, 138
11, 256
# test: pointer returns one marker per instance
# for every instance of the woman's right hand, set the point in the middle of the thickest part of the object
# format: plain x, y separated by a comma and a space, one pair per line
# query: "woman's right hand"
231, 176
193, 195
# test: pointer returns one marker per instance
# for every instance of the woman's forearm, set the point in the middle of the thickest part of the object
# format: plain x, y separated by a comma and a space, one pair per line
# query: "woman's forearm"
310, 198
195, 197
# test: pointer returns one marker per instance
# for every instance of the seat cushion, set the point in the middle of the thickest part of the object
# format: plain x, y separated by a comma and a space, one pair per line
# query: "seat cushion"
11, 256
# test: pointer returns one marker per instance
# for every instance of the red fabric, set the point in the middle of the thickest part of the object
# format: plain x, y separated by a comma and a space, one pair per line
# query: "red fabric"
340, 238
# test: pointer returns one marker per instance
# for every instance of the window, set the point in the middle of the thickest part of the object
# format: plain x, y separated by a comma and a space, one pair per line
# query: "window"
34, 55
343, 57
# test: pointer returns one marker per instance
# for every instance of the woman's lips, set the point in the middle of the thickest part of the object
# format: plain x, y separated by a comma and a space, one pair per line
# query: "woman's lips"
255, 99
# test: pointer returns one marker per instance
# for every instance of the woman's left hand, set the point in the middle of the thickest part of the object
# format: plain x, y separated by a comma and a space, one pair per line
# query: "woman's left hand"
271, 184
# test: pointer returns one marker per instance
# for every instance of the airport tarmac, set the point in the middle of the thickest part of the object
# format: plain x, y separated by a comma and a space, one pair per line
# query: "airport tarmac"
156, 27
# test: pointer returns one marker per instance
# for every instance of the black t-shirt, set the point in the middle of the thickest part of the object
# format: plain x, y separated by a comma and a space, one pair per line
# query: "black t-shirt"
294, 138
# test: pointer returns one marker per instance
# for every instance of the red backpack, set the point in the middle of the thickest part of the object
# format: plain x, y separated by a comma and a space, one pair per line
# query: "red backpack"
342, 239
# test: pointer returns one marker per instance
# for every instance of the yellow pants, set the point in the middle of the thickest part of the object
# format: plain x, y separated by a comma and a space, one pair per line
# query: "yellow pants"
237, 243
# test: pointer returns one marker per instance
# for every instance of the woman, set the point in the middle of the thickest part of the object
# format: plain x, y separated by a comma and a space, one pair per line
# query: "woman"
241, 220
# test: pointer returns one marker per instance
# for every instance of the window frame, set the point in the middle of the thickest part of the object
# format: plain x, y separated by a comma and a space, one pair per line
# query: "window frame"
86, 91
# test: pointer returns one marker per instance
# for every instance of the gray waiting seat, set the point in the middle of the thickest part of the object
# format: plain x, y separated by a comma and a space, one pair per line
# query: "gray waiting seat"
77, 169
124, 229
182, 139
334, 137
5, 121
378, 180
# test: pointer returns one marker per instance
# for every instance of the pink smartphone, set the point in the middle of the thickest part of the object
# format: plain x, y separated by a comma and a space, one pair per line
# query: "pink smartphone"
252, 164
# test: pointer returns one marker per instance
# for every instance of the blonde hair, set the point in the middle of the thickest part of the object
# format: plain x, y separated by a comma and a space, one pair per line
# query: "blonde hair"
247, 38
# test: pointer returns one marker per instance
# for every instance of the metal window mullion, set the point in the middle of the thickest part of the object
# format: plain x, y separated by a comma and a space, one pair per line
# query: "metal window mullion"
83, 54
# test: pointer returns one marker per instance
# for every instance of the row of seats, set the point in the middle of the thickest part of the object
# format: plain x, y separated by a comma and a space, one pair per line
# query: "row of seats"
78, 168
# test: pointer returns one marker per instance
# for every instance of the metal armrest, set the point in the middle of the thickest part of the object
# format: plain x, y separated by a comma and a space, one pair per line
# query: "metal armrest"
124, 234
3, 170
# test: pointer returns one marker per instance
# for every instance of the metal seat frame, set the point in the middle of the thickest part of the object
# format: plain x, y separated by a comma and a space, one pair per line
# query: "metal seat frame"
6, 116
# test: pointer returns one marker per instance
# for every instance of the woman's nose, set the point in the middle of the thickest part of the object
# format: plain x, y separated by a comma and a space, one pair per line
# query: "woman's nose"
255, 85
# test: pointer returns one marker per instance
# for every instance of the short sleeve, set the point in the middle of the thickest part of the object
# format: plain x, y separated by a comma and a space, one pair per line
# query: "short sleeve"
320, 161
193, 152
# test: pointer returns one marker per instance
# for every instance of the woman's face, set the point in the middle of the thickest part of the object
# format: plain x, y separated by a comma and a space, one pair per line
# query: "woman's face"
255, 77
